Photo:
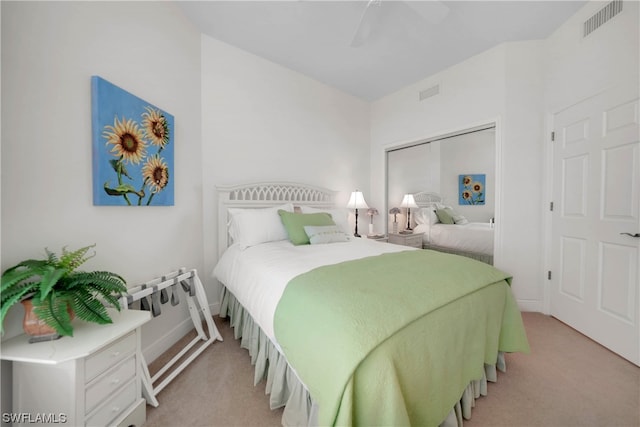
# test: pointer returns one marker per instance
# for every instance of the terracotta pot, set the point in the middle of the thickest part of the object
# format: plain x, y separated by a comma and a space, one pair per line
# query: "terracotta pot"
32, 324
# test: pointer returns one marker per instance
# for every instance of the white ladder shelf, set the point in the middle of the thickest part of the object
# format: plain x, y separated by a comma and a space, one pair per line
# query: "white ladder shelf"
198, 305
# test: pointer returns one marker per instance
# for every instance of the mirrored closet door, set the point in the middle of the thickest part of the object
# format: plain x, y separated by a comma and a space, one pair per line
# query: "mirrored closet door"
453, 179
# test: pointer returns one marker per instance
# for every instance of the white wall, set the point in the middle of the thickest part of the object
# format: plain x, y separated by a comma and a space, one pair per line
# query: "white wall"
471, 93
578, 67
519, 205
49, 52
264, 122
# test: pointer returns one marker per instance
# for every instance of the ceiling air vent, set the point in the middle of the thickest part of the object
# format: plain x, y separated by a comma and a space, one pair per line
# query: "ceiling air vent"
602, 16
428, 93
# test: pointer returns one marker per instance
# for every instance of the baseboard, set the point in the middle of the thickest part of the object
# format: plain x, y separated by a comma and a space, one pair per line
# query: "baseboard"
529, 305
157, 348
214, 308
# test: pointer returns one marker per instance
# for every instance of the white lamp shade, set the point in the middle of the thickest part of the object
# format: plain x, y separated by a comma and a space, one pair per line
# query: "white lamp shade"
356, 201
408, 201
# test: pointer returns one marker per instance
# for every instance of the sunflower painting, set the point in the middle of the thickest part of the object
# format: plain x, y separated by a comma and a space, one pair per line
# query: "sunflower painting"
132, 149
471, 189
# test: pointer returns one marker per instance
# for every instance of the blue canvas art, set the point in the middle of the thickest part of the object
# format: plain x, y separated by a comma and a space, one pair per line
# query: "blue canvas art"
471, 189
132, 149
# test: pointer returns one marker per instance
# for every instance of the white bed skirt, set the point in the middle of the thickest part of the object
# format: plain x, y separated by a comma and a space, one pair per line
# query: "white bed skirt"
487, 259
285, 389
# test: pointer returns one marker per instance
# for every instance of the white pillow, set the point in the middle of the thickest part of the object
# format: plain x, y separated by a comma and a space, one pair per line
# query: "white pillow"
250, 227
319, 234
459, 218
338, 215
426, 216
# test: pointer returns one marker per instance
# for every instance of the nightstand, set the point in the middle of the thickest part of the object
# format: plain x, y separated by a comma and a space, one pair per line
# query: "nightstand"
93, 378
414, 239
378, 238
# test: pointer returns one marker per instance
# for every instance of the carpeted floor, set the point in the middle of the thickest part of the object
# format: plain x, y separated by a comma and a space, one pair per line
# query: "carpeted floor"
567, 380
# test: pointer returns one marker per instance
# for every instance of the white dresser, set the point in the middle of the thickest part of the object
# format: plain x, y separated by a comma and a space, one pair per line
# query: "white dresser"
90, 379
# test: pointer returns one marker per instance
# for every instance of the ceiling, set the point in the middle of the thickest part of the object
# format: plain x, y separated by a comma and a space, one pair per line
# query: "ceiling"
398, 42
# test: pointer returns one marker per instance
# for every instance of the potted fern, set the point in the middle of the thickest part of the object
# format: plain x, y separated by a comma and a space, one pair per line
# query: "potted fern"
57, 291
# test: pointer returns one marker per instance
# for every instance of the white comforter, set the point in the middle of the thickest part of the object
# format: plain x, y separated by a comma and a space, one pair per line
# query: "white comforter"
258, 275
474, 237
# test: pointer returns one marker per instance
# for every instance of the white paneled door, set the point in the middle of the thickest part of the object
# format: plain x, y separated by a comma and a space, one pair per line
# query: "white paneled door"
595, 265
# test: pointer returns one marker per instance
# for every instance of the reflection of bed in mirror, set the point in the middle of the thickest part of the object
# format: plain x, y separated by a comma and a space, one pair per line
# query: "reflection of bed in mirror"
470, 239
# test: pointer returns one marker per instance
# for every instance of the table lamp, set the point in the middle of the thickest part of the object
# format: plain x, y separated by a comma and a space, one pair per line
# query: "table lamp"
356, 201
408, 202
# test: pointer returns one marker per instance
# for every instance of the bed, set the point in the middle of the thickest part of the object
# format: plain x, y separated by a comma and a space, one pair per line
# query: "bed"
470, 239
349, 331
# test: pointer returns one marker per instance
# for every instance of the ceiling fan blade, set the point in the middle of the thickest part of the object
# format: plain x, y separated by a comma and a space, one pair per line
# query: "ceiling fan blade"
368, 20
432, 11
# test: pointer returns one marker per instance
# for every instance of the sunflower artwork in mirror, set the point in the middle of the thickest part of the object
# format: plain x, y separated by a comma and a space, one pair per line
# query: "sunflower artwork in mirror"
472, 189
132, 149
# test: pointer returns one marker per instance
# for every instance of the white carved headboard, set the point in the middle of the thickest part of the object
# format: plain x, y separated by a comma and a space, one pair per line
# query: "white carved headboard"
264, 195
426, 199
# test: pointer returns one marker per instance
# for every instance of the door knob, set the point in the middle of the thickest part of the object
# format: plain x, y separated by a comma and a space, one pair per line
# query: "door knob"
632, 235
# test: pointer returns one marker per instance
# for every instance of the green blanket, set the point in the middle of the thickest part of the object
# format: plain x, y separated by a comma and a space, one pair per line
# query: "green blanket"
394, 339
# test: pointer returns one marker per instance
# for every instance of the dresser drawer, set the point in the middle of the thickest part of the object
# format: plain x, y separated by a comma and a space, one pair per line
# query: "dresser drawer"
414, 241
114, 407
109, 382
109, 356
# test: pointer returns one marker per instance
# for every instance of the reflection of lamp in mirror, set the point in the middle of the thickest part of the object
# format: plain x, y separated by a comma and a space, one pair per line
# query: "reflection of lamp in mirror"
356, 201
371, 212
394, 212
408, 202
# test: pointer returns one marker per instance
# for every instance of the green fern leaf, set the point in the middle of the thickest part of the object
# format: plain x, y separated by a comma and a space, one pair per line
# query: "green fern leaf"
52, 258
72, 260
7, 295
30, 264
50, 278
53, 311
103, 284
13, 277
9, 301
103, 279
110, 299
88, 308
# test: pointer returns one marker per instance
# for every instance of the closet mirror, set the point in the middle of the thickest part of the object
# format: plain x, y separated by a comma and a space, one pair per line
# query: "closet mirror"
452, 179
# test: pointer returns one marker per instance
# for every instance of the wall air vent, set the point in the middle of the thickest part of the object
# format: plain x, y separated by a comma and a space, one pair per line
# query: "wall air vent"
602, 16
428, 93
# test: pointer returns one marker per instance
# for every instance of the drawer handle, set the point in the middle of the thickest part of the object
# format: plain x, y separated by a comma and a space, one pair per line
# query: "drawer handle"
115, 381
115, 409
115, 354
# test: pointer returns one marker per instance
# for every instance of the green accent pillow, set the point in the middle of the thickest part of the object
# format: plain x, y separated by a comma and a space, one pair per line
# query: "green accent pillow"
294, 223
444, 215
